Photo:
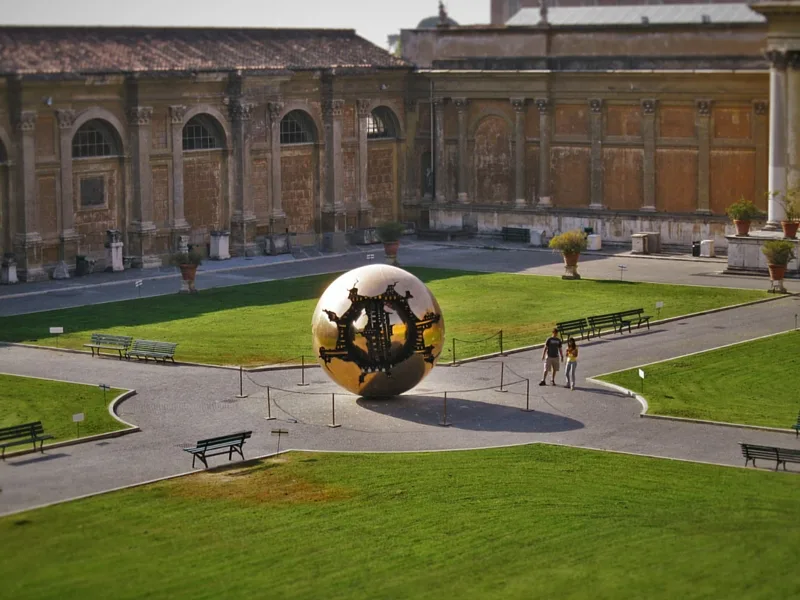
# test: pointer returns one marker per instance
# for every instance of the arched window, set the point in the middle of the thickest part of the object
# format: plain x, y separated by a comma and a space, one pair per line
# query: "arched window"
94, 139
382, 124
297, 128
200, 133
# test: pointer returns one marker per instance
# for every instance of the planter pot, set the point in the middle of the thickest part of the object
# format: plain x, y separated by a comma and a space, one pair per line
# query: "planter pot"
790, 229
742, 227
776, 272
188, 273
570, 258
390, 248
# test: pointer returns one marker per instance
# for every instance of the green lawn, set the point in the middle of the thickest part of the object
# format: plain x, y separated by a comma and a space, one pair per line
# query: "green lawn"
754, 383
271, 322
527, 522
25, 399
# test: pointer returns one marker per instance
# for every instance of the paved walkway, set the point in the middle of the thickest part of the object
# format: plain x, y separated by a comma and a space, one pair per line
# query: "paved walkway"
177, 405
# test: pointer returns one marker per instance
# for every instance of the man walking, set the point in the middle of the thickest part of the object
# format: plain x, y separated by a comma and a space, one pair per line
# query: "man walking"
550, 355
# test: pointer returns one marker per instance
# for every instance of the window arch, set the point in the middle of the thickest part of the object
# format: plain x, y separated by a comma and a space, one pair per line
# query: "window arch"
201, 133
382, 124
94, 139
297, 128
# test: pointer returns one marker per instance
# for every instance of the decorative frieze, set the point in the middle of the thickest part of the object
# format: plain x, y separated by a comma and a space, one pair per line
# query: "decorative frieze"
66, 118
140, 115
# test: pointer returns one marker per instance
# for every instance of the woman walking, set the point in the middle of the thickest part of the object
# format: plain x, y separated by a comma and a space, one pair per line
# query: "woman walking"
572, 362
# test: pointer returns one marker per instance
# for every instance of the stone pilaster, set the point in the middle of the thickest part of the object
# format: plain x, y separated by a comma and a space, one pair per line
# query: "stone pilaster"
143, 229
364, 113
777, 138
703, 122
649, 158
68, 236
440, 173
519, 105
761, 139
412, 123
243, 219
179, 226
545, 132
463, 159
596, 168
277, 216
333, 209
27, 241
793, 120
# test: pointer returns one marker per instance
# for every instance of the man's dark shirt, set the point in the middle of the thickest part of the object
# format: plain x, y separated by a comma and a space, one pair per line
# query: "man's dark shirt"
553, 345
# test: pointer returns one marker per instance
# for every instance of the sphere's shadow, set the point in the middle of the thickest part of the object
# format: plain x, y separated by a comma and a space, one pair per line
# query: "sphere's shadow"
472, 415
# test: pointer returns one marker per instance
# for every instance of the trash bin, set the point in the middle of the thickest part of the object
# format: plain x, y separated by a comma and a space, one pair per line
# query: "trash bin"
588, 230
695, 248
81, 266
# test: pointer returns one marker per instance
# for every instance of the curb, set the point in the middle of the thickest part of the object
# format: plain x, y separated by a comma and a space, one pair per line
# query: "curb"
645, 407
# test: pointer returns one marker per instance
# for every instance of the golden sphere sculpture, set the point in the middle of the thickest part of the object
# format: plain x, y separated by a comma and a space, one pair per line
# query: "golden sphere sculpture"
377, 331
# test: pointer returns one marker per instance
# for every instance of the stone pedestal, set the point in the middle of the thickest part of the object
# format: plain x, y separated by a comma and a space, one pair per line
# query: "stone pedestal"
278, 243
745, 256
571, 272
593, 242
8, 271
142, 238
334, 241
639, 243
61, 271
114, 246
28, 249
220, 242
183, 244
707, 249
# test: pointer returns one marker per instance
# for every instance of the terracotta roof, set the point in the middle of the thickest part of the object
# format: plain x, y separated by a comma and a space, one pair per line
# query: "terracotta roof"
57, 50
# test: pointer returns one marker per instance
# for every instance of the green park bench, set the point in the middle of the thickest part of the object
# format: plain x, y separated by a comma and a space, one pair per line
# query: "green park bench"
146, 349
568, 328
635, 316
27, 433
797, 427
779, 455
226, 444
598, 323
104, 341
516, 234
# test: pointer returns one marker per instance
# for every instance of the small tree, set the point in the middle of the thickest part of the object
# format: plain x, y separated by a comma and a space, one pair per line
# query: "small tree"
390, 231
744, 210
193, 257
778, 252
569, 242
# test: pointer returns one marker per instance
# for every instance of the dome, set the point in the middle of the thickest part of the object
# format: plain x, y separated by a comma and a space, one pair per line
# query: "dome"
433, 22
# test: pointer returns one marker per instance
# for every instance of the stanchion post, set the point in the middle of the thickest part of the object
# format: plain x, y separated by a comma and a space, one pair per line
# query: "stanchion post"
501, 343
454, 352
444, 422
302, 371
502, 376
527, 396
269, 408
241, 384
333, 412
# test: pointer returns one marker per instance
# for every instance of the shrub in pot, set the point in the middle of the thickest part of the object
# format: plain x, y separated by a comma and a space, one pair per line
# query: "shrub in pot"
742, 213
187, 262
570, 244
791, 210
389, 233
778, 254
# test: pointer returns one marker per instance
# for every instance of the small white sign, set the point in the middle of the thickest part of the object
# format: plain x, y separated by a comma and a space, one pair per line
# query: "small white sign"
138, 283
370, 256
56, 330
641, 373
77, 417
659, 304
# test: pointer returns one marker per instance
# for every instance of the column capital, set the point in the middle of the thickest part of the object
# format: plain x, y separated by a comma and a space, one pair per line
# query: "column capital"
518, 104
139, 115
411, 105
363, 107
176, 113
778, 59
760, 107
332, 108
596, 105
793, 59
274, 108
703, 107
460, 104
543, 104
438, 102
649, 105
26, 121
240, 111
66, 118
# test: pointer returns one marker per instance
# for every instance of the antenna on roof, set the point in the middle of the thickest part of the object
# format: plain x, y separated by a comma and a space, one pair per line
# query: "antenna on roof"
444, 19
543, 12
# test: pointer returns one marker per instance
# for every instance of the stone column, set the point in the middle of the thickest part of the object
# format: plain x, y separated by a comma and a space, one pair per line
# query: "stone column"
143, 230
179, 225
412, 122
649, 158
243, 219
777, 138
596, 131
793, 120
703, 121
543, 104
440, 173
519, 151
27, 241
364, 112
278, 240
761, 139
463, 159
333, 209
69, 237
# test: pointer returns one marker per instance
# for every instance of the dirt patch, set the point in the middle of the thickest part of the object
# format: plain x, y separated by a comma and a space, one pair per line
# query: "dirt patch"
276, 481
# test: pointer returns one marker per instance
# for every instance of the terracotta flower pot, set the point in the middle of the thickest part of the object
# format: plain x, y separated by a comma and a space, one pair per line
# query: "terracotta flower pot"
570, 258
390, 248
790, 229
742, 227
188, 273
776, 272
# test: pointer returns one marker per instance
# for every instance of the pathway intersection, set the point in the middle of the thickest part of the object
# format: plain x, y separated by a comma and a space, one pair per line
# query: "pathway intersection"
176, 405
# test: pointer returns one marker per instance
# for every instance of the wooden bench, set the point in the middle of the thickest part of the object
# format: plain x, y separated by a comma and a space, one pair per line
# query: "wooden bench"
149, 349
599, 322
797, 427
516, 234
27, 433
226, 444
104, 341
567, 328
779, 455
635, 315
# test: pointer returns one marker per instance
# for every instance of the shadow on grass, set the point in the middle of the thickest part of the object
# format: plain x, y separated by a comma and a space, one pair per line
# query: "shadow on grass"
162, 309
472, 415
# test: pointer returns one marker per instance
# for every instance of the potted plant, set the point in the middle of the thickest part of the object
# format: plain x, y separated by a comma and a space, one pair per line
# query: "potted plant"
778, 253
791, 209
570, 244
187, 262
389, 233
741, 213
